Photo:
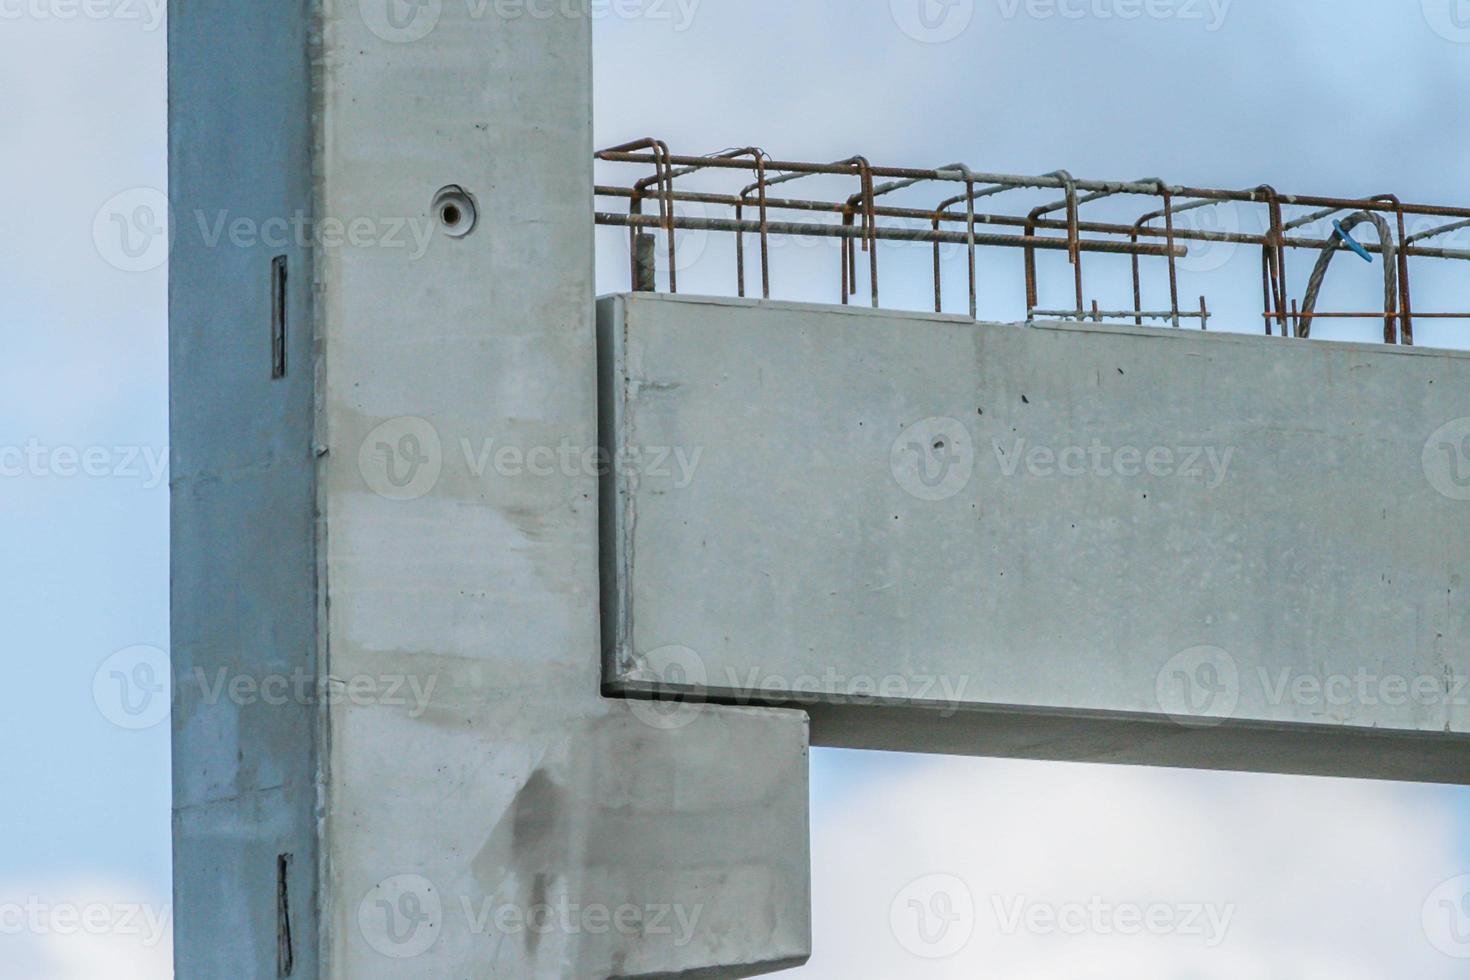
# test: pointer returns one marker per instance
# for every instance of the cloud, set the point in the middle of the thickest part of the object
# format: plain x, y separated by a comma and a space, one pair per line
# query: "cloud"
1072, 872
83, 930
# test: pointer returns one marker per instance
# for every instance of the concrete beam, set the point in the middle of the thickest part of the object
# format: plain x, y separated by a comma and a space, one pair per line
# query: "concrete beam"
1060, 542
447, 794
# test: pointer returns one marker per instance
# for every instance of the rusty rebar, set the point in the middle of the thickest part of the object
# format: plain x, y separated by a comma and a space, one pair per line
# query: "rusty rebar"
859, 221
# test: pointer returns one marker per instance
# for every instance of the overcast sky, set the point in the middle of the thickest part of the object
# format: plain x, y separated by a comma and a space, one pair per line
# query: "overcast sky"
1244, 876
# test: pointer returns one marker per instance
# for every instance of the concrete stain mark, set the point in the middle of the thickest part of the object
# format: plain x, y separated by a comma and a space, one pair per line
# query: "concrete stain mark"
532, 522
534, 814
529, 841
642, 385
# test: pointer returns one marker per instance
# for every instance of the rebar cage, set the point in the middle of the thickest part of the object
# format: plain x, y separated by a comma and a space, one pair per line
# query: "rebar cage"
759, 206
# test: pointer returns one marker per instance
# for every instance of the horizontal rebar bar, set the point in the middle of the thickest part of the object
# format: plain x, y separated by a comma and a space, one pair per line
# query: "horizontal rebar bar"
1147, 188
1125, 314
1051, 224
926, 235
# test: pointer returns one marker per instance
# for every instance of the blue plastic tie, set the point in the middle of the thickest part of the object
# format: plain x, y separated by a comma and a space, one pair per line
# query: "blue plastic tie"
1352, 242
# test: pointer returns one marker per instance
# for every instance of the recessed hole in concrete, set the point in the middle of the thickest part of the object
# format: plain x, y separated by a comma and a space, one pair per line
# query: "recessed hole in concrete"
458, 214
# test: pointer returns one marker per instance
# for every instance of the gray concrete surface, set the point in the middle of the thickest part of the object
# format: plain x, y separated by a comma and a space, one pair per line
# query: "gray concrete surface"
455, 795
244, 582
1060, 541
